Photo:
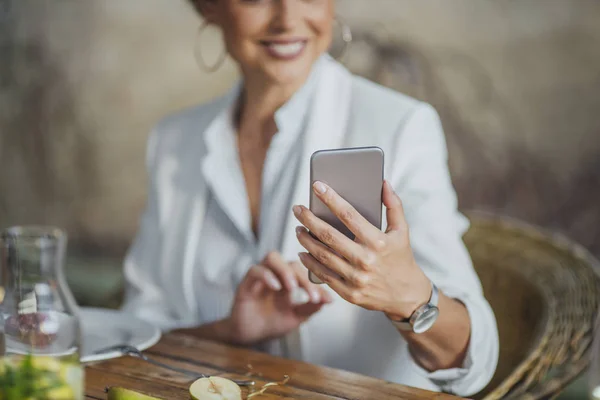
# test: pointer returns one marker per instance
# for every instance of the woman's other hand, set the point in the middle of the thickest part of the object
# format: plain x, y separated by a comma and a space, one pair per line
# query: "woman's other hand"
377, 270
264, 307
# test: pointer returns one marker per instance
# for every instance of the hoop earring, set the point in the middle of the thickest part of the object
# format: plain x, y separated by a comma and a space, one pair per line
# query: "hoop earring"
346, 37
198, 53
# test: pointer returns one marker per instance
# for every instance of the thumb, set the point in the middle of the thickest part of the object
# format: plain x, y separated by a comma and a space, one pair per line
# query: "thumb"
394, 209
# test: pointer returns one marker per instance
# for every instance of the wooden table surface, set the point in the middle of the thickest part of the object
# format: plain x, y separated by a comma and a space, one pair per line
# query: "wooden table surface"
306, 381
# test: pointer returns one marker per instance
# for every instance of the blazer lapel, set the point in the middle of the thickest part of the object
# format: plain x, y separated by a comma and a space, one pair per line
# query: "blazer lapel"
187, 208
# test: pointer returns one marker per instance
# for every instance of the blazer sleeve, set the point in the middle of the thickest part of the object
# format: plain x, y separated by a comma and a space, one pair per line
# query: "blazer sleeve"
421, 177
144, 296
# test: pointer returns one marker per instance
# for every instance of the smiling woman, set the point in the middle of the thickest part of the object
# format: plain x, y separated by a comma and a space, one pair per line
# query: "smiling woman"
277, 41
218, 254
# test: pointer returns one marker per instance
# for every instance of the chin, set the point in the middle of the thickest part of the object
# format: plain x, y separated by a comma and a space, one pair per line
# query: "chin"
289, 72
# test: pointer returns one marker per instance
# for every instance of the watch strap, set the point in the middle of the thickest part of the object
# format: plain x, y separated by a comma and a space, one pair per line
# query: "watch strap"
406, 324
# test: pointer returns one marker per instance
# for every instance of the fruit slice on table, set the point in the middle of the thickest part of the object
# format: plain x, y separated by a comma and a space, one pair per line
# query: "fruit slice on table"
60, 393
215, 388
119, 393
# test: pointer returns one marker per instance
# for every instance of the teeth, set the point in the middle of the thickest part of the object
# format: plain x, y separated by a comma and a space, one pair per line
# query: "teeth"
287, 49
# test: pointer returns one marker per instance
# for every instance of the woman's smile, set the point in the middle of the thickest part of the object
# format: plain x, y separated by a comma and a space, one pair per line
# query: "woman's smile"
285, 49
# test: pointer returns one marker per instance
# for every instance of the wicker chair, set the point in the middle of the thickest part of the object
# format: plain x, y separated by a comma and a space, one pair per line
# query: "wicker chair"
545, 292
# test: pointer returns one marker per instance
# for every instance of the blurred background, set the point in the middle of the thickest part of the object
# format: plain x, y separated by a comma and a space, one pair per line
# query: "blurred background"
517, 84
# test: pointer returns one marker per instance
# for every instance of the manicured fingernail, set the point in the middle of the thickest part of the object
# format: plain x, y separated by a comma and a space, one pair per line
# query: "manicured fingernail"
315, 296
275, 284
297, 210
299, 230
320, 187
299, 297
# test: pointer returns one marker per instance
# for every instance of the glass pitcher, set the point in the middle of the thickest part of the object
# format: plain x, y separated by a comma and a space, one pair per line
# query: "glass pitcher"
39, 324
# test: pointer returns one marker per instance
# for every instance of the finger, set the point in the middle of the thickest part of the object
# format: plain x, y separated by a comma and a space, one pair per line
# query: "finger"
299, 296
305, 283
394, 210
275, 262
317, 293
326, 297
257, 287
325, 256
263, 274
329, 236
324, 274
348, 215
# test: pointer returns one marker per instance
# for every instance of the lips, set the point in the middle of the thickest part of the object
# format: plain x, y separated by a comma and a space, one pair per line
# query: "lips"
285, 49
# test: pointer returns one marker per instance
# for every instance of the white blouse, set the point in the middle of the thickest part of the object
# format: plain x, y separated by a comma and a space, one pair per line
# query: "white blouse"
195, 241
227, 241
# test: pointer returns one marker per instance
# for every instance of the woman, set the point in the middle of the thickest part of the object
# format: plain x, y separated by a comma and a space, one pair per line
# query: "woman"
217, 253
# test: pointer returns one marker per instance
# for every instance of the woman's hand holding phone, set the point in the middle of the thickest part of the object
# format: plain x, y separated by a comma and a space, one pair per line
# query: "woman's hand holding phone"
264, 305
377, 270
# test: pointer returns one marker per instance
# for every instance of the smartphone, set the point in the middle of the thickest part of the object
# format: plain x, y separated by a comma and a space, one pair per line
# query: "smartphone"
356, 174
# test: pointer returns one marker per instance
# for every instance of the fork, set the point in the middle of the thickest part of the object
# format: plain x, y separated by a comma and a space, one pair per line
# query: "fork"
134, 352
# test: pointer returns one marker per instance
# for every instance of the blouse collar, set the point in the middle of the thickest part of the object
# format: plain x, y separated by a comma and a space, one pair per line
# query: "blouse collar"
226, 182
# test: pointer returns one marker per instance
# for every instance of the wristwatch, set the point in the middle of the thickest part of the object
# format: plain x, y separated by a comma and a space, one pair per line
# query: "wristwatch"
423, 318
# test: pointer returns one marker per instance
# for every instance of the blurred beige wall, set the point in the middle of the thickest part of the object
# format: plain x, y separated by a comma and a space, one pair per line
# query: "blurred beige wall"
517, 84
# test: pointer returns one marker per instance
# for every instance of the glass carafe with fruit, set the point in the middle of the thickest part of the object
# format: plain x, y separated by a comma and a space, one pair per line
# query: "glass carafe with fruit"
39, 324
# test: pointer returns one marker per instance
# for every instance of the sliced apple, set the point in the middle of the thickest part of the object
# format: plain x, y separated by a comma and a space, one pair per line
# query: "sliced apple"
119, 393
215, 388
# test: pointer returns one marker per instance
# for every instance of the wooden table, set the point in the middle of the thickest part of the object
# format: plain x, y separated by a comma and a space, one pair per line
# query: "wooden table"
307, 381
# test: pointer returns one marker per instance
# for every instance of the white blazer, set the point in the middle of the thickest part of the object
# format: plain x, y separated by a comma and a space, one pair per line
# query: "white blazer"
347, 111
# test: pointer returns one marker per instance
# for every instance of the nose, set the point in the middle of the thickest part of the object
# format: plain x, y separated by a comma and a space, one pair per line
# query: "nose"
285, 14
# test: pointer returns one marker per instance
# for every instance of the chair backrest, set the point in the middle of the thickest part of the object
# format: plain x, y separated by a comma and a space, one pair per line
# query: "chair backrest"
545, 292
520, 314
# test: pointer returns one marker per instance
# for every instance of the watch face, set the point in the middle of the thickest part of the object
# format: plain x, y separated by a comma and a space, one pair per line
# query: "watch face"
425, 320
